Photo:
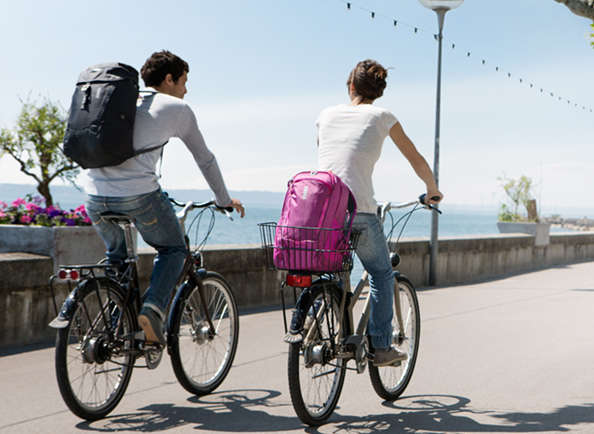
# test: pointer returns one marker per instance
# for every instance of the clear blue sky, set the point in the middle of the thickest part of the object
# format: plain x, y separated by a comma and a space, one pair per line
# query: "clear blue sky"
260, 72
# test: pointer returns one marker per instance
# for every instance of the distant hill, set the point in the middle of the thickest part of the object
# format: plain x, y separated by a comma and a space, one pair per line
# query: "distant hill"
69, 197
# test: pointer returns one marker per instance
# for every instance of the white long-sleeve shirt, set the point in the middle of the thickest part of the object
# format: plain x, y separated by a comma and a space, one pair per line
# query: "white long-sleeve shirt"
159, 117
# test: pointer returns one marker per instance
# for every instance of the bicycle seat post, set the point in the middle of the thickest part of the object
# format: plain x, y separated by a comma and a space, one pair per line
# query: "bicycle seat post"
130, 245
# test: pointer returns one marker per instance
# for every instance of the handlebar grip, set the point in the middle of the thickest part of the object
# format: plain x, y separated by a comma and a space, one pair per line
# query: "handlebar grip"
423, 196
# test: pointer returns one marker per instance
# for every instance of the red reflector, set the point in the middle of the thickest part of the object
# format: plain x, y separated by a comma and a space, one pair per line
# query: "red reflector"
64, 274
299, 280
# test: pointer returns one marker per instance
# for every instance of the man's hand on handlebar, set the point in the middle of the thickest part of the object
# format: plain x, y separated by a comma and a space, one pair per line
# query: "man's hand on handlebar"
237, 206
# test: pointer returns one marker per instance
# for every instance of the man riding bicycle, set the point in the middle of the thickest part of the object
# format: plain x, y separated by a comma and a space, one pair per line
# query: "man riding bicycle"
132, 188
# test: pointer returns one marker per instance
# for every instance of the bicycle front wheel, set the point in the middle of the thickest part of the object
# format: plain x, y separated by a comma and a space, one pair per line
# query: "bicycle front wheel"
94, 357
201, 356
316, 375
390, 381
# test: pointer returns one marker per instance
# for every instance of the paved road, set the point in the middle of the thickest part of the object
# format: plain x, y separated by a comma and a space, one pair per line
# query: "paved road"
511, 355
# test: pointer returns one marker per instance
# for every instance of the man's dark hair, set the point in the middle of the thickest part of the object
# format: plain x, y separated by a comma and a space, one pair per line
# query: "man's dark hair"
160, 64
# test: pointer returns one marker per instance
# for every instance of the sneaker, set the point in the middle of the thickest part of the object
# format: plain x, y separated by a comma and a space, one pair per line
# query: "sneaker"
388, 356
151, 324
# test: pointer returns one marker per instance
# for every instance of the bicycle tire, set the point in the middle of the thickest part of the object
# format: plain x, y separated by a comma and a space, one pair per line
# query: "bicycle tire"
309, 409
193, 350
389, 382
93, 367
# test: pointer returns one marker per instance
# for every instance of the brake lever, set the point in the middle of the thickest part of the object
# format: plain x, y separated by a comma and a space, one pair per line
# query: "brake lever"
227, 210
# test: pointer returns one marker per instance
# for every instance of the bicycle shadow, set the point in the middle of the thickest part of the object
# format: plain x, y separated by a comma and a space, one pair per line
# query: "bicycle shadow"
229, 410
450, 413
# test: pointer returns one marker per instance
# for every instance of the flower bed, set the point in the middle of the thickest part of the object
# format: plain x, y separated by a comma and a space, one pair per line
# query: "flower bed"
30, 211
26, 225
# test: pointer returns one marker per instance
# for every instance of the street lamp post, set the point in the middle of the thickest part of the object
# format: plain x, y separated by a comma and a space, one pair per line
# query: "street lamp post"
440, 7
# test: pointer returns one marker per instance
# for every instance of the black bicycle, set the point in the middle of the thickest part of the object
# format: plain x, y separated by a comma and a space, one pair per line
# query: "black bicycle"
99, 339
318, 356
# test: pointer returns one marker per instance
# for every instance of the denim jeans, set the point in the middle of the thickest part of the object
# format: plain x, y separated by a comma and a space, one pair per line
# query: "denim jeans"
372, 250
155, 219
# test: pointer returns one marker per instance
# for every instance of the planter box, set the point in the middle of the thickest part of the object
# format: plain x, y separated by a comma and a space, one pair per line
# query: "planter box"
66, 245
540, 231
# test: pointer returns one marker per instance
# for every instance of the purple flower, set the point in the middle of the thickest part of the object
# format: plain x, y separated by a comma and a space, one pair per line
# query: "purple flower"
53, 212
38, 200
69, 222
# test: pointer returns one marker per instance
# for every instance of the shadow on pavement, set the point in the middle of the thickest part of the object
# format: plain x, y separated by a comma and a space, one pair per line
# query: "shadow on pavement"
234, 411
230, 410
449, 413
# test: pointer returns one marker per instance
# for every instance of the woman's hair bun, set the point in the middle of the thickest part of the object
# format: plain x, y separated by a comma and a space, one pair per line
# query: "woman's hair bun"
368, 79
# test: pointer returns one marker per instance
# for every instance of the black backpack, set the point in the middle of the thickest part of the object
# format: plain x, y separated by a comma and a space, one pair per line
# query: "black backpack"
101, 120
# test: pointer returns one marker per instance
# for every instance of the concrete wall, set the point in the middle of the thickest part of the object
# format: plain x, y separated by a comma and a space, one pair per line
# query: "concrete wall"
27, 308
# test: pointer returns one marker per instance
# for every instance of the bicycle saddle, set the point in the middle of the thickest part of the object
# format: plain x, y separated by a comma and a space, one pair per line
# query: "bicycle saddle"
116, 217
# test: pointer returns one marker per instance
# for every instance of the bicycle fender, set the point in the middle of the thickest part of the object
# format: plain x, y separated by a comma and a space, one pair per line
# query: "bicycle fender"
69, 305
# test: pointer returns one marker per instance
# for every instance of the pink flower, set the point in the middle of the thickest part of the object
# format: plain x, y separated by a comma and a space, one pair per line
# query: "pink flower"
2, 214
31, 207
3, 204
18, 202
25, 219
80, 209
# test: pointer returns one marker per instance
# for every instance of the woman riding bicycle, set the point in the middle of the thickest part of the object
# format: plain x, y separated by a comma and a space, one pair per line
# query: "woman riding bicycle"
350, 138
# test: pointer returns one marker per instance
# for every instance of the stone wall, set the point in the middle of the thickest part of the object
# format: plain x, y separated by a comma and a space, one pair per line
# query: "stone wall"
27, 307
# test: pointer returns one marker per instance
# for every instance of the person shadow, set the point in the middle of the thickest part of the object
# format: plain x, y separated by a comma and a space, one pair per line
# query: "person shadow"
451, 413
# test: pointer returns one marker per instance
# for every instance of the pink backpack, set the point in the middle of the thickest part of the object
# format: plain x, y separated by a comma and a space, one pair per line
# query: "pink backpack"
315, 224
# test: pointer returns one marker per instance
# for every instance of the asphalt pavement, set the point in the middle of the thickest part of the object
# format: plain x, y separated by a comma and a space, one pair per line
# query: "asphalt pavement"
506, 356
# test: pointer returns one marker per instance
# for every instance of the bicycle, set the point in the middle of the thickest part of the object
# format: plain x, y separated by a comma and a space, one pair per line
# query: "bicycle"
317, 360
99, 339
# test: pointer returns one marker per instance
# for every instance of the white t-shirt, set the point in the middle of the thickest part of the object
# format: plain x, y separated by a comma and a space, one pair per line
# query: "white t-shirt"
158, 118
350, 142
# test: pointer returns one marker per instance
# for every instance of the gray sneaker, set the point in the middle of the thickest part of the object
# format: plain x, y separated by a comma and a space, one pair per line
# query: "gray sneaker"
388, 356
152, 325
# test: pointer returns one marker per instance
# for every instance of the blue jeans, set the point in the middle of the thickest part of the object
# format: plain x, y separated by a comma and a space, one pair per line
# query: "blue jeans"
373, 252
155, 219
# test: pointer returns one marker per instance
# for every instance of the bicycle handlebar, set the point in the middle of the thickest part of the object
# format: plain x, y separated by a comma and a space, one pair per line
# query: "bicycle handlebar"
387, 206
187, 206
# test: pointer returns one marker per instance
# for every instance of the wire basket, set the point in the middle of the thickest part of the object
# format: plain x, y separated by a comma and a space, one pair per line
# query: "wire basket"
316, 250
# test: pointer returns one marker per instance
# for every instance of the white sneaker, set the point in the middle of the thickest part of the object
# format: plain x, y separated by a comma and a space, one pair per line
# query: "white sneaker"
388, 356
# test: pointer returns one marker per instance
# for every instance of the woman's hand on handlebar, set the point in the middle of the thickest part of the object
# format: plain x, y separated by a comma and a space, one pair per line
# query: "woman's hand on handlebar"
432, 197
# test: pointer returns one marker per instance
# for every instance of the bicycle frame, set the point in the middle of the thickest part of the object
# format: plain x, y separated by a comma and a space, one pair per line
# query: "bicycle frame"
128, 279
356, 336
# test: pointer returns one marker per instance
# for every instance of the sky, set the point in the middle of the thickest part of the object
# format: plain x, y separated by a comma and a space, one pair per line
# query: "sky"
262, 70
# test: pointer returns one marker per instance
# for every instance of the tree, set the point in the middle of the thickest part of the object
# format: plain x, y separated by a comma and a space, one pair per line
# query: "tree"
35, 145
518, 192
583, 8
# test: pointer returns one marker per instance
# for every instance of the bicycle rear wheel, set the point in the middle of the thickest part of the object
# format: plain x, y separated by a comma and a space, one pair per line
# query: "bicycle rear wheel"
201, 359
316, 376
94, 358
390, 381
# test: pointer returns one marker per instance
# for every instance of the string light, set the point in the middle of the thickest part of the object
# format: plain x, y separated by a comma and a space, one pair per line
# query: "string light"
416, 29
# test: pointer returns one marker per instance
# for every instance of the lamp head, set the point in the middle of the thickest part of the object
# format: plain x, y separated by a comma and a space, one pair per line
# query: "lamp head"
444, 5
